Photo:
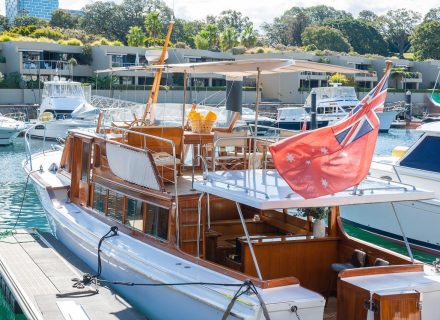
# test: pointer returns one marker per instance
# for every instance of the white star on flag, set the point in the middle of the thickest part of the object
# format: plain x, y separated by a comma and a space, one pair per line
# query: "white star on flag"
308, 162
324, 150
324, 183
290, 157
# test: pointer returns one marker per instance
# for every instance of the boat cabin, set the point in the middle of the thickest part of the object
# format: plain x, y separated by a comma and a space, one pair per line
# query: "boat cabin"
240, 221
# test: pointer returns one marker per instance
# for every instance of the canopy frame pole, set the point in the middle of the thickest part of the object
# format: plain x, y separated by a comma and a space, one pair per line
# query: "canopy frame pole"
408, 248
184, 99
257, 108
248, 239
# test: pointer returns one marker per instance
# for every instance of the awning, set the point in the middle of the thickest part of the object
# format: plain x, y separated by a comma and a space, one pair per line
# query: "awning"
246, 68
266, 189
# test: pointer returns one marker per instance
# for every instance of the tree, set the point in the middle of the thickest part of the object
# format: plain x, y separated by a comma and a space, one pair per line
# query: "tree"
288, 28
363, 37
62, 19
72, 62
211, 33
184, 31
433, 14
323, 37
367, 16
318, 14
231, 19
248, 36
135, 37
397, 26
228, 39
200, 42
153, 25
103, 18
342, 79
24, 20
4, 23
425, 40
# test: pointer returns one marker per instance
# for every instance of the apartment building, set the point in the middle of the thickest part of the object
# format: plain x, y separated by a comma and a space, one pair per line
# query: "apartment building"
35, 60
35, 8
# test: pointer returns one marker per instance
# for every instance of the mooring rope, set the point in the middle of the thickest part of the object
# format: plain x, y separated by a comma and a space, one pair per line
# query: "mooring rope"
247, 287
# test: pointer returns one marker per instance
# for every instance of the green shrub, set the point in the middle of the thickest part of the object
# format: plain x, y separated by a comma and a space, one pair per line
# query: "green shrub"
73, 42
154, 42
6, 38
47, 33
24, 30
117, 43
238, 50
101, 42
260, 50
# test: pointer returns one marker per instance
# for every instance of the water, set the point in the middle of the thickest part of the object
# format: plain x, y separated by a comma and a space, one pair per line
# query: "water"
13, 183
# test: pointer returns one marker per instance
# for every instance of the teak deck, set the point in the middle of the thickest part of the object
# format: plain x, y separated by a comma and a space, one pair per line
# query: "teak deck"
36, 270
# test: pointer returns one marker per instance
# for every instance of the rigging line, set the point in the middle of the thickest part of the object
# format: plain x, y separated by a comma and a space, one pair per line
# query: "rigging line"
22, 199
435, 84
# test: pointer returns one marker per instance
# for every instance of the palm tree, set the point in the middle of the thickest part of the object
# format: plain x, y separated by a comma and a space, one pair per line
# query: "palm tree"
72, 62
228, 38
135, 37
153, 25
212, 35
248, 36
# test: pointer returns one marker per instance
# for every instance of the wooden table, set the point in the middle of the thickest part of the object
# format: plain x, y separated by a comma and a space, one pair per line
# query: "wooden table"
193, 138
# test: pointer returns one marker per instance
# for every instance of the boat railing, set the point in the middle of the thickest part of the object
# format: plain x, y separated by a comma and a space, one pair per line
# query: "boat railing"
28, 143
19, 116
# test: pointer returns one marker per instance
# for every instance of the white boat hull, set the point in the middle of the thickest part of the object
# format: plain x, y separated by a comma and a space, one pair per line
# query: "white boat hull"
386, 118
127, 259
420, 220
58, 128
8, 135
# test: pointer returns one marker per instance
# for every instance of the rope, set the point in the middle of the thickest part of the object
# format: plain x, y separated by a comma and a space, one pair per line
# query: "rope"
247, 287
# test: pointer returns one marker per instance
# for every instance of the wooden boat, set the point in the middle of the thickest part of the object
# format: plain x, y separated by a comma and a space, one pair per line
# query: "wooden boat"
226, 246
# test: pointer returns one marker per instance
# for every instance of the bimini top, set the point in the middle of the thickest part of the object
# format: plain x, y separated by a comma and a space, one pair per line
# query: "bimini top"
266, 189
246, 68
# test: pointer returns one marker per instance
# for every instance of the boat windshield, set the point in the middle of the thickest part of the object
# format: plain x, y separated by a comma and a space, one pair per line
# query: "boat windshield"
169, 114
424, 155
333, 93
291, 112
63, 90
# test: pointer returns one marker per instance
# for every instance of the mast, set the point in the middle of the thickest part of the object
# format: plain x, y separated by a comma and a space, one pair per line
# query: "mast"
152, 99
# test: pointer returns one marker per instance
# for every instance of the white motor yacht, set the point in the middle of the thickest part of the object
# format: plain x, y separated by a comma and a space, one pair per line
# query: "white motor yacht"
332, 104
10, 127
64, 106
419, 166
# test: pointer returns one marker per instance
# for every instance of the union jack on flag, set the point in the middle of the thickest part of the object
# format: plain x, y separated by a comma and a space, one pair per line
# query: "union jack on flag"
331, 159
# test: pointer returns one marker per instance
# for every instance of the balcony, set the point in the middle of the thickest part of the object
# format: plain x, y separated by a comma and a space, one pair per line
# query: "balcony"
53, 67
305, 75
367, 77
412, 77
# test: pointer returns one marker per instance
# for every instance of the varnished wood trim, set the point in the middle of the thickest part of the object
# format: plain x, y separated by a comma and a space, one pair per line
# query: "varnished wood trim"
380, 270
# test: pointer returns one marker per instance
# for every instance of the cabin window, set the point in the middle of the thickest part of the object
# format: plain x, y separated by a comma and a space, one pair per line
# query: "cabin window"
99, 197
85, 161
157, 221
115, 205
424, 156
135, 214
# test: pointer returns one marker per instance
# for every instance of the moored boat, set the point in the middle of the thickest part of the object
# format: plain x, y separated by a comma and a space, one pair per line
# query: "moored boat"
10, 127
226, 246
419, 166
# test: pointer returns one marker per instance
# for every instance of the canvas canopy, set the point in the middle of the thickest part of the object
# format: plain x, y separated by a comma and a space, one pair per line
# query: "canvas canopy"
247, 68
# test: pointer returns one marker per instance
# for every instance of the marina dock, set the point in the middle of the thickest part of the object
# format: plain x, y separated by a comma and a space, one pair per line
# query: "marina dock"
36, 277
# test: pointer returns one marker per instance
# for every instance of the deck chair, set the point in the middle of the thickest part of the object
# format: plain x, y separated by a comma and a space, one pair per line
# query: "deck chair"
230, 150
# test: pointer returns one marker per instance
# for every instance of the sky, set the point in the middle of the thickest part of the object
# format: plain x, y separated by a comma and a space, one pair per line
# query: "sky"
260, 11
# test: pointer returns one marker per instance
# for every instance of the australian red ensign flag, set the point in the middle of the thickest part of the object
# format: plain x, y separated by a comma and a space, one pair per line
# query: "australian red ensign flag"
334, 158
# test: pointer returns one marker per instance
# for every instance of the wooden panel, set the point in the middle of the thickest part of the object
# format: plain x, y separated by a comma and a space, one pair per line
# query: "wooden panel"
172, 133
307, 260
402, 306
381, 270
351, 302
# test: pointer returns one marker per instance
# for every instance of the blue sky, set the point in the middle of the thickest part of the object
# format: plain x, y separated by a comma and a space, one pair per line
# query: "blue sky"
264, 11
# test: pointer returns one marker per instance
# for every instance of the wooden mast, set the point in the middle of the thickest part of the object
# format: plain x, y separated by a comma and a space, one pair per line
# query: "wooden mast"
156, 83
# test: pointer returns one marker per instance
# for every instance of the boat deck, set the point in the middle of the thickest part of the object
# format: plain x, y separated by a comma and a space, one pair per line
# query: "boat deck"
38, 270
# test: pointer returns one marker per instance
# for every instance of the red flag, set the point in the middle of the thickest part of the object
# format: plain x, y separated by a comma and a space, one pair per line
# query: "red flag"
331, 159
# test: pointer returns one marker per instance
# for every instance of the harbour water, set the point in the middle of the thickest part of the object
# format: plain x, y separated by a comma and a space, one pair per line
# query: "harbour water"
13, 186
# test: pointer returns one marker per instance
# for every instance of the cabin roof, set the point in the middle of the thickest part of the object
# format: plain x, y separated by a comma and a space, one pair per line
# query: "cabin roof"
266, 189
